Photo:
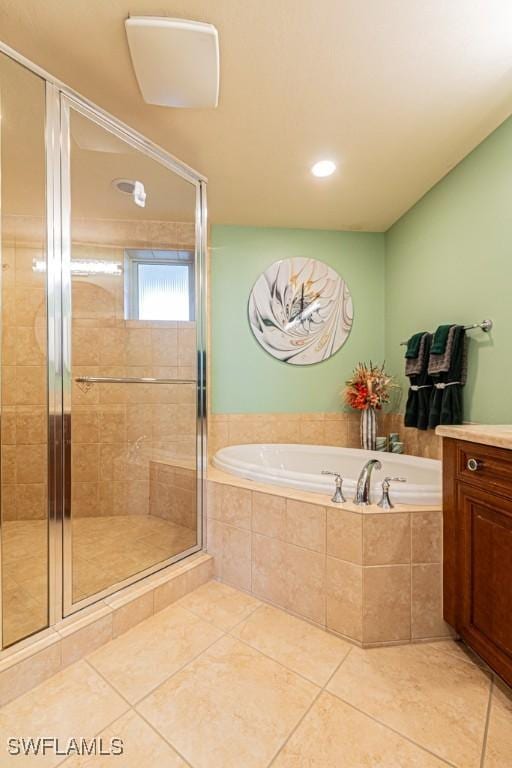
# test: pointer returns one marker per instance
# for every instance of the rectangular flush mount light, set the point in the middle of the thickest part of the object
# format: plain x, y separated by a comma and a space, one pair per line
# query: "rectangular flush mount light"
176, 61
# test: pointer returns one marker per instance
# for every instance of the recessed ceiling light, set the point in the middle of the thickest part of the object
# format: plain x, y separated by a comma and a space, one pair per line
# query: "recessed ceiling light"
323, 168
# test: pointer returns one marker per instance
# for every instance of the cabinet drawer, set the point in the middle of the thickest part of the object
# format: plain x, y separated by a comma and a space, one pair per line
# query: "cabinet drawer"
485, 467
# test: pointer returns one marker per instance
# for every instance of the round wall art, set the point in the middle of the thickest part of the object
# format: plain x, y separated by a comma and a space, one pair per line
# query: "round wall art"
300, 311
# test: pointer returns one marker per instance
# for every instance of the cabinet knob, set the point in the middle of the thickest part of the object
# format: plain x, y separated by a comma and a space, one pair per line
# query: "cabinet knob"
473, 465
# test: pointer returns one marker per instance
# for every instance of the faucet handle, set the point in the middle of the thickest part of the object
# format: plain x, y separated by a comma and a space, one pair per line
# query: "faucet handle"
385, 502
338, 497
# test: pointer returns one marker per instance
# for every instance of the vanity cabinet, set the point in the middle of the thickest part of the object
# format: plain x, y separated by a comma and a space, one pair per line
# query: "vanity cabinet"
477, 506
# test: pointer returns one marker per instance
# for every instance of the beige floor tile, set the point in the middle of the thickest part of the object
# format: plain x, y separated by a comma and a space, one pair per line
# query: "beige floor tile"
459, 649
142, 658
231, 707
74, 703
301, 647
334, 735
142, 748
498, 753
423, 693
219, 604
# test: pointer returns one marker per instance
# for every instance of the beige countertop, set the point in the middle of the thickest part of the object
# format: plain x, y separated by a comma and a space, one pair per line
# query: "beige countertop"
498, 435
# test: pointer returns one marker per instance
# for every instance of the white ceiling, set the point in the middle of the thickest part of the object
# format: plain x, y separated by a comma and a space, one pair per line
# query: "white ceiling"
396, 91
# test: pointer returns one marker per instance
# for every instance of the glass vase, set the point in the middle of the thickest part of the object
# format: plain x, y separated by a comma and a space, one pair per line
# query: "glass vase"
368, 429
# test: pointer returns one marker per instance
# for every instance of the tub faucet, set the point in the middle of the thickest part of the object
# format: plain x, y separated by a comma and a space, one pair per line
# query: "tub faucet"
363, 488
338, 497
385, 502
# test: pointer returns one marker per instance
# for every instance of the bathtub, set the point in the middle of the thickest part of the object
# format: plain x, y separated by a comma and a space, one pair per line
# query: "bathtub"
300, 466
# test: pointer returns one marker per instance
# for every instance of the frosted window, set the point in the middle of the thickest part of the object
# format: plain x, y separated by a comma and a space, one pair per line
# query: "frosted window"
164, 291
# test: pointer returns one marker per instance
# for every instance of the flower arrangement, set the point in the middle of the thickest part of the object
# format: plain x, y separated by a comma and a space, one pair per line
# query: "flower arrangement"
368, 387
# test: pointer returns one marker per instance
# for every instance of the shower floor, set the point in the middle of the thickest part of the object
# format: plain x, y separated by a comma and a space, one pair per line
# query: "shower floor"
106, 550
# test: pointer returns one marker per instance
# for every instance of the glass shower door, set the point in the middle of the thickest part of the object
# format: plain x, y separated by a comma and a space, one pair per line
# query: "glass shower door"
130, 313
24, 355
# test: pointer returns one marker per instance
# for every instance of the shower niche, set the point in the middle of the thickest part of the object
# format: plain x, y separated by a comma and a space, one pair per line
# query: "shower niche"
103, 362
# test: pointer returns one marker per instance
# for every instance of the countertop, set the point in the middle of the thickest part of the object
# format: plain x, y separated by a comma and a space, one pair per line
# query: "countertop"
498, 435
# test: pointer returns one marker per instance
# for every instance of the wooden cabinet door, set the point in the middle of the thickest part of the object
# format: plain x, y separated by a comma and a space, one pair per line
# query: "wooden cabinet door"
485, 576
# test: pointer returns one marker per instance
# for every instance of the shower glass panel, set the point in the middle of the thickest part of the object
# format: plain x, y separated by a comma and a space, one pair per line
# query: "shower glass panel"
132, 464
24, 406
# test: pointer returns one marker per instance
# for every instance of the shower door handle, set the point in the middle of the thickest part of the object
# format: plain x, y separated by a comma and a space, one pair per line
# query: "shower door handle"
129, 380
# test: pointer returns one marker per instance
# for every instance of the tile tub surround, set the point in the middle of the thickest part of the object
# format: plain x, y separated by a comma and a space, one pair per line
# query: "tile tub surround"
220, 680
173, 491
34, 659
330, 428
309, 428
374, 577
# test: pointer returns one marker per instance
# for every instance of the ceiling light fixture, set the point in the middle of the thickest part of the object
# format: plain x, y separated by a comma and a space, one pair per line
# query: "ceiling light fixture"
83, 267
176, 61
323, 168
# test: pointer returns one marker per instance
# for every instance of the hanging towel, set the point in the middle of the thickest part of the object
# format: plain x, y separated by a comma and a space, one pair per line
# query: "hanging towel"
440, 340
441, 363
414, 365
418, 399
446, 405
413, 346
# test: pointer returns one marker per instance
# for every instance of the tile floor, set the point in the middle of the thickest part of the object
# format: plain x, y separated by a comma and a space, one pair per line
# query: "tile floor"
106, 550
221, 680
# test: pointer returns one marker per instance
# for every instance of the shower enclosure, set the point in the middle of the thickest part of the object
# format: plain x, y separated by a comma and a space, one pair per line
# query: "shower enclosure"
103, 353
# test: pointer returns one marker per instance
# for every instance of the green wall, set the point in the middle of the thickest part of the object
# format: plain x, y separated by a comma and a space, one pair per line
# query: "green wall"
244, 377
449, 259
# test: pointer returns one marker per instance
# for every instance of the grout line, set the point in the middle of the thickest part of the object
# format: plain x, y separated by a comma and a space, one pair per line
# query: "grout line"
108, 682
293, 731
390, 728
131, 709
152, 690
103, 728
308, 710
201, 616
487, 721
279, 663
169, 743
464, 656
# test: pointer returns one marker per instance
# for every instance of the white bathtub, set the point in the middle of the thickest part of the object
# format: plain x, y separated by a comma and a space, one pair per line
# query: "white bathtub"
300, 466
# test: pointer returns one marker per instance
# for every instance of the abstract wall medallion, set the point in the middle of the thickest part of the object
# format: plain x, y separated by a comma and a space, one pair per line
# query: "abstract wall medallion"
300, 311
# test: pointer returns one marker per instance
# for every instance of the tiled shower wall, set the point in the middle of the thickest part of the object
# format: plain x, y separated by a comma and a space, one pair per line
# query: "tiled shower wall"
340, 429
117, 429
24, 413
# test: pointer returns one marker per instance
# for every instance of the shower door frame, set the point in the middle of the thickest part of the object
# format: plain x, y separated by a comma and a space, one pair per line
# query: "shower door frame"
60, 99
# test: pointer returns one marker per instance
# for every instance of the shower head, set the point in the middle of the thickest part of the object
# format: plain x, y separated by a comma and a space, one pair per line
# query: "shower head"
131, 187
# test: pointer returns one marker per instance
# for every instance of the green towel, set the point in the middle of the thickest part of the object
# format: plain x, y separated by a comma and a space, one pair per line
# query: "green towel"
439, 341
413, 345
